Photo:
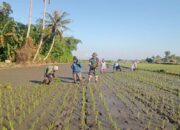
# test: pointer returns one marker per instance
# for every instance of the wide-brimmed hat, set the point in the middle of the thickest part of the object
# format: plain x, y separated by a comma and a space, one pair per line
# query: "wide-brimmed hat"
94, 54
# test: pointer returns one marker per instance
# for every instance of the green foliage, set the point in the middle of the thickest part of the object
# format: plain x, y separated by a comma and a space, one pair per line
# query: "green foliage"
149, 60
13, 36
61, 53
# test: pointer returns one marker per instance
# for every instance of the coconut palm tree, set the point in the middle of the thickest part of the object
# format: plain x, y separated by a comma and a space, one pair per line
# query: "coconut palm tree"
43, 27
30, 18
167, 54
57, 24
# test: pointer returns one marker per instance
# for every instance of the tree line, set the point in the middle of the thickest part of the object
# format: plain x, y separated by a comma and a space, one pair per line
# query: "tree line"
43, 41
168, 58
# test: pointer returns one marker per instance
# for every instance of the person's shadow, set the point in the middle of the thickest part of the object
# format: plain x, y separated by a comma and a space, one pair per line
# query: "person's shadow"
66, 79
36, 81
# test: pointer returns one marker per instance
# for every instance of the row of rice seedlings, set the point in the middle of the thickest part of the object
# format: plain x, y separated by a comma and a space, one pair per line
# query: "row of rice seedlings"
17, 101
22, 99
83, 125
103, 100
145, 98
154, 81
58, 111
128, 101
96, 113
127, 95
119, 91
48, 106
73, 105
35, 101
148, 95
1, 116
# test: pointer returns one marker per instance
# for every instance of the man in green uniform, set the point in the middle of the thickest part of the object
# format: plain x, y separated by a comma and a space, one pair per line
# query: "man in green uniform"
93, 65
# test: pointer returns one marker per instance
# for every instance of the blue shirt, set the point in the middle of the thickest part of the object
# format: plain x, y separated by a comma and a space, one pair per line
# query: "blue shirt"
76, 67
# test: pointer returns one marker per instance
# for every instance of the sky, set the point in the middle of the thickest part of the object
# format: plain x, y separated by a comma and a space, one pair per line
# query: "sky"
115, 29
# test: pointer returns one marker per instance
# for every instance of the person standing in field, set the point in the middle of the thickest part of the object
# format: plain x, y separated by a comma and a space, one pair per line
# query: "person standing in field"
93, 65
76, 69
49, 74
103, 66
134, 66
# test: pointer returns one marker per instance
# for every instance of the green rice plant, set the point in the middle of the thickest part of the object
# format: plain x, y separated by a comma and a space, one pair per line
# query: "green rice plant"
174, 128
1, 121
8, 115
51, 126
32, 126
20, 119
11, 125
149, 125
99, 125
138, 115
179, 93
163, 124
157, 128
8, 86
4, 128
83, 109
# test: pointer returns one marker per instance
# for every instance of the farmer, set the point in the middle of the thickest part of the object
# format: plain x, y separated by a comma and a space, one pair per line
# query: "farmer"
103, 66
49, 73
134, 66
76, 69
93, 65
116, 67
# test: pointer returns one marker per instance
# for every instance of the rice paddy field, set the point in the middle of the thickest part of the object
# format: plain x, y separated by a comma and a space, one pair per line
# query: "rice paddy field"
140, 100
166, 68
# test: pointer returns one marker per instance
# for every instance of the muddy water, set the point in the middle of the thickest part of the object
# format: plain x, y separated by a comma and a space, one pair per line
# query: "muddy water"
26, 75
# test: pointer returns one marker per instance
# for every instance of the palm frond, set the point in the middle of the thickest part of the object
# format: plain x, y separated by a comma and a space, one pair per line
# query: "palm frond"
50, 18
65, 28
66, 21
63, 15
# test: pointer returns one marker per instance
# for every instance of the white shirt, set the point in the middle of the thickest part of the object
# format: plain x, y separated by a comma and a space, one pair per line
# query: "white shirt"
103, 65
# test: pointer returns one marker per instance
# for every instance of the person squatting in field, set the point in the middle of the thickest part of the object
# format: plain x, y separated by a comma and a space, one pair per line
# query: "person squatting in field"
76, 70
93, 65
103, 66
116, 67
49, 74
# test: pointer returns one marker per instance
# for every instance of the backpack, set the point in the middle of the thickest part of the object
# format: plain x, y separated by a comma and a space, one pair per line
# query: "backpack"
94, 63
